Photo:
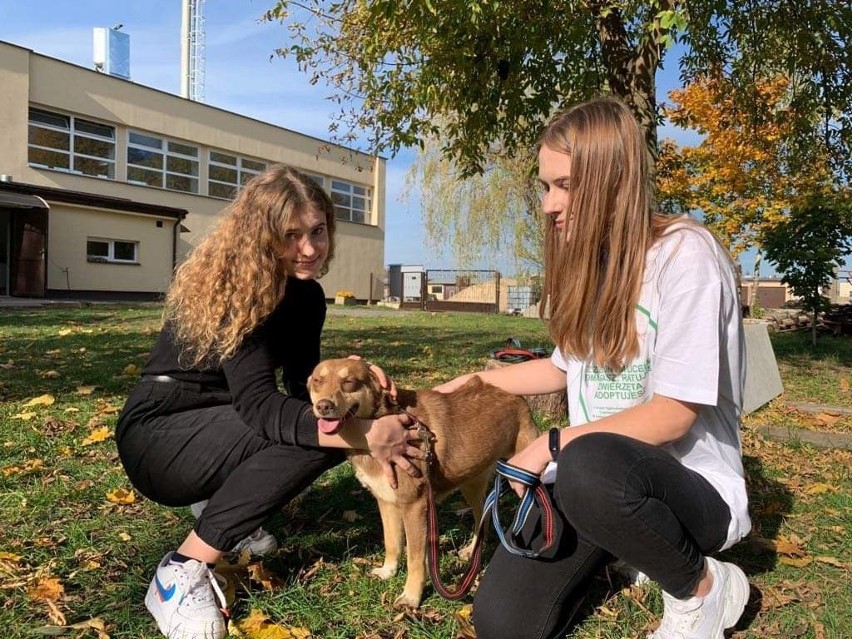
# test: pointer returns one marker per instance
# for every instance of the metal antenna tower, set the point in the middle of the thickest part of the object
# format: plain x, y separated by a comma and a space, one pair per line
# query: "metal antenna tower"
192, 50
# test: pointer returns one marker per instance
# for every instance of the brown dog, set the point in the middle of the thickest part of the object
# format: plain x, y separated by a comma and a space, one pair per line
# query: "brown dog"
473, 427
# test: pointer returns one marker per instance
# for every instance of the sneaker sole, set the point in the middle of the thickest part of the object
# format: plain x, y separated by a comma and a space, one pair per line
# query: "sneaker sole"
740, 591
152, 603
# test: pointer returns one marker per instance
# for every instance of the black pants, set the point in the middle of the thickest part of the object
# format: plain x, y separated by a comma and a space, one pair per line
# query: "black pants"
619, 498
177, 451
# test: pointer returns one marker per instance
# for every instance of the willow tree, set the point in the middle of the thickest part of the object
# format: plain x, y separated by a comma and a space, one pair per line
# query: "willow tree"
479, 78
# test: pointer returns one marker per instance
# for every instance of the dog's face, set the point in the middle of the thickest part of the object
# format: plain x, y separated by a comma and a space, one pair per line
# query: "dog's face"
343, 388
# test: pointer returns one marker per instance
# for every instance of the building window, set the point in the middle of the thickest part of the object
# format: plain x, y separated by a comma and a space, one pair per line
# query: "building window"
116, 251
228, 173
351, 202
68, 143
166, 164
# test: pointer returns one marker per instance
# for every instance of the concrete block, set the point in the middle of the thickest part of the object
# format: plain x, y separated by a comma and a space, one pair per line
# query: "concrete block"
763, 381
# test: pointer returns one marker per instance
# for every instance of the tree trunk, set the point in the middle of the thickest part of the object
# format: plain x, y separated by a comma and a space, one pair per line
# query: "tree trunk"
632, 71
755, 284
814, 328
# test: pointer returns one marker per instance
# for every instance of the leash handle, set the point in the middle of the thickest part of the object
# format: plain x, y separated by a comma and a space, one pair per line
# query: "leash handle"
535, 493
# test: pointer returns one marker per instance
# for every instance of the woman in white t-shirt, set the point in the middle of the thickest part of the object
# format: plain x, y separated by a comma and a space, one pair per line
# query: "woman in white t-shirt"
647, 326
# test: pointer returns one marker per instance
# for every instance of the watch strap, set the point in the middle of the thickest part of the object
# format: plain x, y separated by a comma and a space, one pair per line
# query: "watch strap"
553, 443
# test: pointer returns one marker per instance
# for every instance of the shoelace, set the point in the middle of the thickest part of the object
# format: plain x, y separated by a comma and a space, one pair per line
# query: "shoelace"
198, 577
217, 589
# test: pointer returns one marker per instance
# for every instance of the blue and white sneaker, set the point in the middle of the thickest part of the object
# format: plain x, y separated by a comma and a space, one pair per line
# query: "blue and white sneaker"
259, 544
187, 601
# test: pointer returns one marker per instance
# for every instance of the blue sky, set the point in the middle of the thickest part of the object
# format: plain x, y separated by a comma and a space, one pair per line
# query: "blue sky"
242, 75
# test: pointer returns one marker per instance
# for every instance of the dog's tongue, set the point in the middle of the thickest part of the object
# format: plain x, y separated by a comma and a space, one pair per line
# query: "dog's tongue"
329, 426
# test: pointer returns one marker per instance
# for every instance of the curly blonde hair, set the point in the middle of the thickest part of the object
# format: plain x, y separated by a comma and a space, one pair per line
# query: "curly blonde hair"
231, 282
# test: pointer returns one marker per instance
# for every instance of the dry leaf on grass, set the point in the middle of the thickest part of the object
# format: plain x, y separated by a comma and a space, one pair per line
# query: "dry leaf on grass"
24, 416
131, 370
258, 626
41, 400
796, 562
95, 624
27, 468
85, 390
97, 435
46, 588
121, 496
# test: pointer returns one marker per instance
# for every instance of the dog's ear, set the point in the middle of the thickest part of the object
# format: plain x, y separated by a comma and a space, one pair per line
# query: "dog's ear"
389, 404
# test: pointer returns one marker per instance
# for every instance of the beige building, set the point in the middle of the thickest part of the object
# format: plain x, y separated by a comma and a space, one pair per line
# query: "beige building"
106, 184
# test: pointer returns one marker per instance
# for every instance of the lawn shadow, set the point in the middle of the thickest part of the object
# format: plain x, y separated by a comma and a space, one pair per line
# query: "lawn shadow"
770, 502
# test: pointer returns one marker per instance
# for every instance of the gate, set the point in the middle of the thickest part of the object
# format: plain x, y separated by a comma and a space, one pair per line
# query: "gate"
472, 291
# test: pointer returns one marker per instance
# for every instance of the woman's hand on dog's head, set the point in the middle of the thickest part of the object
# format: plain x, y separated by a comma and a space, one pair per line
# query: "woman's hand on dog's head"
384, 379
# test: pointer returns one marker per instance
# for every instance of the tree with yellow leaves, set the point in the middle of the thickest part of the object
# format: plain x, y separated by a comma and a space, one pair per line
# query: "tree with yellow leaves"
743, 177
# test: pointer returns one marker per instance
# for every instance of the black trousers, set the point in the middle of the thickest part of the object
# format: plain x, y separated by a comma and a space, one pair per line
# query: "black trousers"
176, 451
618, 497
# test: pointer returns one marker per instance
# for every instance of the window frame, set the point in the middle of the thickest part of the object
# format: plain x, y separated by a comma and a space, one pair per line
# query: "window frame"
165, 152
243, 173
75, 132
350, 190
110, 257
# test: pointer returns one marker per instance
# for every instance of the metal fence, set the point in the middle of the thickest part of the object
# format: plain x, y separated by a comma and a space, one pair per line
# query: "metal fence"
475, 291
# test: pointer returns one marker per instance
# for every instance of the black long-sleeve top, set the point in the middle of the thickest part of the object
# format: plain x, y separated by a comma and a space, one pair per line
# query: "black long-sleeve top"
289, 339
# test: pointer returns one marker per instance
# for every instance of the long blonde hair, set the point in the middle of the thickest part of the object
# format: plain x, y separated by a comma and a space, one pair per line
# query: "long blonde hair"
594, 278
234, 278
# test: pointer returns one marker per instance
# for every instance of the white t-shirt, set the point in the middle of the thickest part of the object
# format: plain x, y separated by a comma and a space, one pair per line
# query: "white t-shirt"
691, 349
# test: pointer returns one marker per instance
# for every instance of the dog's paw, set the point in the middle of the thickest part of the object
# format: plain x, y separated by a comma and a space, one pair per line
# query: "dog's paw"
407, 600
384, 573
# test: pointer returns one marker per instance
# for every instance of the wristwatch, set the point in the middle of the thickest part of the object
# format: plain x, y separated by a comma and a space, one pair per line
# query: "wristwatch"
553, 442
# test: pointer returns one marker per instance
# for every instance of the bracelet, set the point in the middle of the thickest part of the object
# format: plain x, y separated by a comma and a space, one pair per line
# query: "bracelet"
554, 443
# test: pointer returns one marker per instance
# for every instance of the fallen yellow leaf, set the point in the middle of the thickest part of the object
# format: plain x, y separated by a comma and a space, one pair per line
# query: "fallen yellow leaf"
95, 624
818, 489
51, 375
55, 614
9, 556
24, 416
121, 496
41, 400
257, 626
97, 435
47, 588
64, 331
124, 536
131, 370
85, 390
796, 562
831, 561
27, 468
71, 409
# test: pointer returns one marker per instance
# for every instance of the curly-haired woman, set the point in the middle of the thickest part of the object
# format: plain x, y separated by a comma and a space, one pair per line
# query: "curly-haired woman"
207, 425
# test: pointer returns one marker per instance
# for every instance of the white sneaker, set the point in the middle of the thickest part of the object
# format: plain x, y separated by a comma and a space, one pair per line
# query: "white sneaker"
259, 543
633, 575
706, 617
187, 601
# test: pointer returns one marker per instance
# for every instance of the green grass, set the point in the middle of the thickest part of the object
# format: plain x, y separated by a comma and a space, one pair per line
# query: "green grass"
57, 522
